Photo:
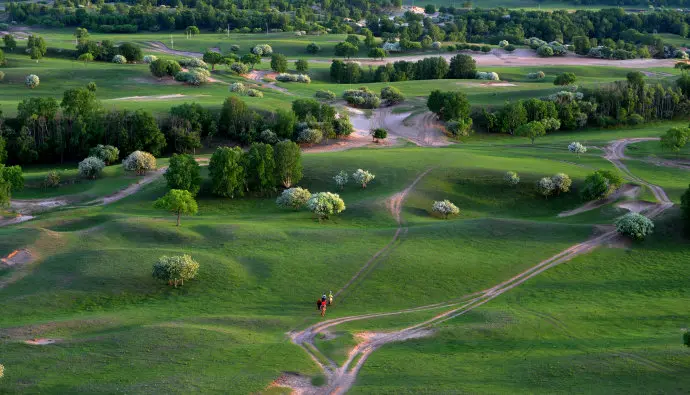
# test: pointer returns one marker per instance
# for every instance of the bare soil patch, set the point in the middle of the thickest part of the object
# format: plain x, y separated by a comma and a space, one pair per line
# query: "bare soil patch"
41, 341
17, 257
16, 220
260, 75
300, 385
637, 206
30, 206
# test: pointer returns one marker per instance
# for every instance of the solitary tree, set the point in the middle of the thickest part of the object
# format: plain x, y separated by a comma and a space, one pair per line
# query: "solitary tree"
91, 167
86, 58
139, 162
341, 179
302, 66
183, 173
445, 208
577, 148
377, 53
545, 187
325, 204
565, 79
511, 178
213, 58
379, 134
531, 130
363, 177
10, 42
179, 202
175, 269
313, 48
561, 182
191, 31
279, 63
675, 139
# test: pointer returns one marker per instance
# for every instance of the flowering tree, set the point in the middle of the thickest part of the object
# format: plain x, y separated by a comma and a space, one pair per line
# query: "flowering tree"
175, 269
511, 178
561, 182
32, 81
294, 198
325, 204
445, 208
634, 225
341, 179
91, 167
363, 177
139, 162
2, 371
577, 148
545, 187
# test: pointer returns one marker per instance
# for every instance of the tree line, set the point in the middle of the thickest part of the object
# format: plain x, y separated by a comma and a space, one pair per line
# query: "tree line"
47, 130
433, 68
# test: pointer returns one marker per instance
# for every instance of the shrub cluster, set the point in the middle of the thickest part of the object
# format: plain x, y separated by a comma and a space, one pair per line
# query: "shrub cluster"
286, 77
362, 97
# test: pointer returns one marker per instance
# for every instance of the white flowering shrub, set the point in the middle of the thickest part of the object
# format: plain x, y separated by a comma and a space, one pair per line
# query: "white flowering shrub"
139, 162
239, 68
262, 50
325, 204
545, 187
503, 43
445, 208
148, 59
268, 137
91, 167
484, 75
436, 45
254, 93
32, 81
175, 269
293, 198
286, 77
363, 177
2, 371
561, 182
341, 179
119, 59
577, 148
325, 94
511, 178
539, 75
309, 136
392, 47
238, 87
634, 225
193, 62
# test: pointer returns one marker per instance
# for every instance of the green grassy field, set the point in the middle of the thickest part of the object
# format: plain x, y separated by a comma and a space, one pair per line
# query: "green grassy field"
573, 327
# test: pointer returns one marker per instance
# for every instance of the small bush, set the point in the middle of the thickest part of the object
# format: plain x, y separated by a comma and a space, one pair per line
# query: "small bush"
577, 148
325, 94
285, 77
363, 177
293, 198
193, 62
32, 81
634, 225
91, 167
107, 153
238, 87
239, 68
341, 179
545, 187
175, 269
119, 59
539, 75
509, 48
545, 51
362, 97
309, 136
445, 208
325, 204
503, 43
561, 182
379, 134
52, 179
490, 76
255, 93
459, 127
2, 76
148, 59
635, 119
262, 50
511, 178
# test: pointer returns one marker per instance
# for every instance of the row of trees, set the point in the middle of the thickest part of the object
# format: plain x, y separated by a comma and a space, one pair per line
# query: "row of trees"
460, 66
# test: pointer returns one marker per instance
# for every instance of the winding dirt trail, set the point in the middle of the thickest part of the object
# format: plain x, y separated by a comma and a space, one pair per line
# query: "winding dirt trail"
341, 378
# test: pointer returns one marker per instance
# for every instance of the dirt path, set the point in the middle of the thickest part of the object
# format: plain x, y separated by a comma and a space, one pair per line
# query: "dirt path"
340, 379
626, 190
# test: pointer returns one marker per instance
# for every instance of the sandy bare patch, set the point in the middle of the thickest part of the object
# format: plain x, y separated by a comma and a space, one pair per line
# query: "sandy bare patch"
262, 75
17, 257
16, 220
155, 81
157, 97
490, 84
30, 206
41, 341
300, 385
637, 206
627, 190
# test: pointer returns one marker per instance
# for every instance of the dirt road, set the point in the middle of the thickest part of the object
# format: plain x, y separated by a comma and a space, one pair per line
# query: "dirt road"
341, 378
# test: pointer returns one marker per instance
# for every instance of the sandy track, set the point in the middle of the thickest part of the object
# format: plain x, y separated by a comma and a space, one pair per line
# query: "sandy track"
421, 129
497, 57
258, 76
341, 379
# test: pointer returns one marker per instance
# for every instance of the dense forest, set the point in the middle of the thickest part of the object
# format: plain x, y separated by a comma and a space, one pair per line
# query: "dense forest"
459, 25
